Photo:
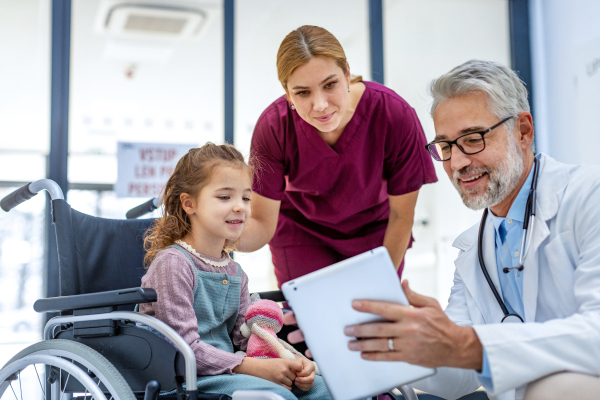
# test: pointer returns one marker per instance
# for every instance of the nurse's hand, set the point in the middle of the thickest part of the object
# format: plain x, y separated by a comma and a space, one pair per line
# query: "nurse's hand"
295, 336
421, 334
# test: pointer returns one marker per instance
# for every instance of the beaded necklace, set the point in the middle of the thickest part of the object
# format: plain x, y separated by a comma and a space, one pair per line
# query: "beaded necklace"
218, 264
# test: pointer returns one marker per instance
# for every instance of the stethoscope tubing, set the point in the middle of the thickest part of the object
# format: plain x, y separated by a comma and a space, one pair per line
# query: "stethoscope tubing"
528, 222
484, 269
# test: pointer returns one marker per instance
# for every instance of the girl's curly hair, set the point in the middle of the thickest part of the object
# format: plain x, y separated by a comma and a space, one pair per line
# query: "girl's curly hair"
192, 173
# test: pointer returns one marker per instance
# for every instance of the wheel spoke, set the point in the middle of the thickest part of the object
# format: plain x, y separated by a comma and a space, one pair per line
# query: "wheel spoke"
84, 365
20, 385
40, 381
66, 381
13, 390
86, 393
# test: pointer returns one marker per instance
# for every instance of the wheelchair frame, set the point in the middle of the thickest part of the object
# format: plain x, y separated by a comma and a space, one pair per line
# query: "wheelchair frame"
111, 299
131, 316
96, 300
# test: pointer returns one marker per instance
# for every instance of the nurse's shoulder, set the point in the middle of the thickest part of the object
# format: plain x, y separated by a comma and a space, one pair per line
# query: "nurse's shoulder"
274, 126
385, 95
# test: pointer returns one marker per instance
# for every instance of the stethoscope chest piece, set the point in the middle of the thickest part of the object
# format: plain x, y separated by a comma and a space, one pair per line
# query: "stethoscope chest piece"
512, 319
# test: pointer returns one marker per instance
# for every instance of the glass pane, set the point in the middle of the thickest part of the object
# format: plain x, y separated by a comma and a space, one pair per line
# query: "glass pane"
24, 145
565, 49
142, 78
423, 40
105, 203
22, 237
25, 89
133, 81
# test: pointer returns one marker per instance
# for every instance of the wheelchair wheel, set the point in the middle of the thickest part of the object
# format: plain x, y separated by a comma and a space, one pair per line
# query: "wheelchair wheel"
69, 362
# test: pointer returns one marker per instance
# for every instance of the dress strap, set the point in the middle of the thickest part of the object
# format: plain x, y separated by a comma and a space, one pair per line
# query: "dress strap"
176, 246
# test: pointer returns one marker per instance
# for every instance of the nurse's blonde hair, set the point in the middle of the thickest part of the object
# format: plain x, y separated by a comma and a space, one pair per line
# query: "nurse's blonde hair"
304, 43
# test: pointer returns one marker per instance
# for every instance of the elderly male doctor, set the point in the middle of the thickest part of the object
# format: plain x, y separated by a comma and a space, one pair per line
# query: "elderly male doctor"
484, 138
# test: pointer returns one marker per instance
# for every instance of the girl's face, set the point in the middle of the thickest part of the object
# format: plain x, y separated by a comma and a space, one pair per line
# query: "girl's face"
319, 91
222, 208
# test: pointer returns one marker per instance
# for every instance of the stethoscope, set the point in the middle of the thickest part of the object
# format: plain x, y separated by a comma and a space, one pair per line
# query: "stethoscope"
528, 220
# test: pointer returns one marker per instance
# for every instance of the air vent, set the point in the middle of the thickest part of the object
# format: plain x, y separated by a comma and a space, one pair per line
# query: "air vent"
133, 20
145, 23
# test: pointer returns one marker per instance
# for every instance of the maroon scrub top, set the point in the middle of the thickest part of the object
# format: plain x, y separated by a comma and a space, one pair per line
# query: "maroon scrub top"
337, 195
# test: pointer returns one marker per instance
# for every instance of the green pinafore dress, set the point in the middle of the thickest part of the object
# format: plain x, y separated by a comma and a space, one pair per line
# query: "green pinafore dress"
216, 305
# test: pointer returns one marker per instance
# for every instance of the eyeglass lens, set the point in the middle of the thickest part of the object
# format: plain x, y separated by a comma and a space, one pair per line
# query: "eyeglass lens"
469, 144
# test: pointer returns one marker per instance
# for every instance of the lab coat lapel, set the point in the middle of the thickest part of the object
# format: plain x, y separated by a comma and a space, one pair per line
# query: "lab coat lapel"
551, 183
531, 272
474, 280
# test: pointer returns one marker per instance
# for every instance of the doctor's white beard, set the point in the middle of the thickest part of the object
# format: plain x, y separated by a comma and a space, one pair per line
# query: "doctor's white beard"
502, 180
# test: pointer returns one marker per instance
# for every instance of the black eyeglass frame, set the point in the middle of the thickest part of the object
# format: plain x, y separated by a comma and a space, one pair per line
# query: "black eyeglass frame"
455, 141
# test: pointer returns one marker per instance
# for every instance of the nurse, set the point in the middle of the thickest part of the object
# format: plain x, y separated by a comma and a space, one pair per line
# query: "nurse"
340, 163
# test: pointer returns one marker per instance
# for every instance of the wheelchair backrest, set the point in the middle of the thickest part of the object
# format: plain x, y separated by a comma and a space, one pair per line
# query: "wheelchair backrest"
97, 254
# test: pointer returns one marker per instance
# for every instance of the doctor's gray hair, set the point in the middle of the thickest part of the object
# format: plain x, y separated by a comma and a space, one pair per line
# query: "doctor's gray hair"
506, 92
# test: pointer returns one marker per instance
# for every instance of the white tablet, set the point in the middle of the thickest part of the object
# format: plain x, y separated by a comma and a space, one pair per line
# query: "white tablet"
322, 303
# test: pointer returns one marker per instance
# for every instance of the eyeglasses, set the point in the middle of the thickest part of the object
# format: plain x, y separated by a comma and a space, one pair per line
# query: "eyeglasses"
471, 143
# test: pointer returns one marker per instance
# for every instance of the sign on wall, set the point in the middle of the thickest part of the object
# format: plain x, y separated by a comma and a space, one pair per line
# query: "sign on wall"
144, 168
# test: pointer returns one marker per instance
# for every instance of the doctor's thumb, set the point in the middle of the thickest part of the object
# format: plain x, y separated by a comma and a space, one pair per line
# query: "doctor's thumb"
418, 300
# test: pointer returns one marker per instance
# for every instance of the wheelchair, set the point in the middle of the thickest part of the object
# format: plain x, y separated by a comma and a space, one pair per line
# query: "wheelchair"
98, 347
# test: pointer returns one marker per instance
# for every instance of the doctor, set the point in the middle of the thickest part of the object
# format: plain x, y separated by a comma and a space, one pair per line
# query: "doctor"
550, 280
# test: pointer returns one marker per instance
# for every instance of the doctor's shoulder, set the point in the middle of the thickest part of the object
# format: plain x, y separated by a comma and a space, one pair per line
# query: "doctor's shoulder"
467, 239
579, 210
584, 186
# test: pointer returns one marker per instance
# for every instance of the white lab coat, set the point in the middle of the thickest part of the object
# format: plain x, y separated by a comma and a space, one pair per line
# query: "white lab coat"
561, 291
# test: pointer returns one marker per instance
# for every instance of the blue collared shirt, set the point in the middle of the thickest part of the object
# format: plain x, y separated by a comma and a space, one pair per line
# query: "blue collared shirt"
509, 232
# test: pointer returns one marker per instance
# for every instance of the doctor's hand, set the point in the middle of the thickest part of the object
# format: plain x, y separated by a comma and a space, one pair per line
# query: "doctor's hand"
421, 334
295, 336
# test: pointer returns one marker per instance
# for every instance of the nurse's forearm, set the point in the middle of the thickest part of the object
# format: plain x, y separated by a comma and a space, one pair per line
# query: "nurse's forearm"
255, 235
397, 236
262, 224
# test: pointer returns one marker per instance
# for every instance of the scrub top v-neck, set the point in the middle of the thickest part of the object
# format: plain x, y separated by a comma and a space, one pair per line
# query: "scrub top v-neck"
338, 195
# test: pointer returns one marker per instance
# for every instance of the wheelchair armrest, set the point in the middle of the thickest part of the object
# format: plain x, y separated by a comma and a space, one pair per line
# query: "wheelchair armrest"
94, 300
274, 295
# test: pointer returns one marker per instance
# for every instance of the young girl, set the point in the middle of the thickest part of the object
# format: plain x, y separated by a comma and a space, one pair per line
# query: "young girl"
202, 293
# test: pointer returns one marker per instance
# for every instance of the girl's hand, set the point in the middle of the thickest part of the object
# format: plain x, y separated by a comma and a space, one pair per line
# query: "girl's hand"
277, 370
305, 379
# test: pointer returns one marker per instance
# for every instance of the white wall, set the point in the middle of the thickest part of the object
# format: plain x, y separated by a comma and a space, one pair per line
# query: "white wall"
566, 78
